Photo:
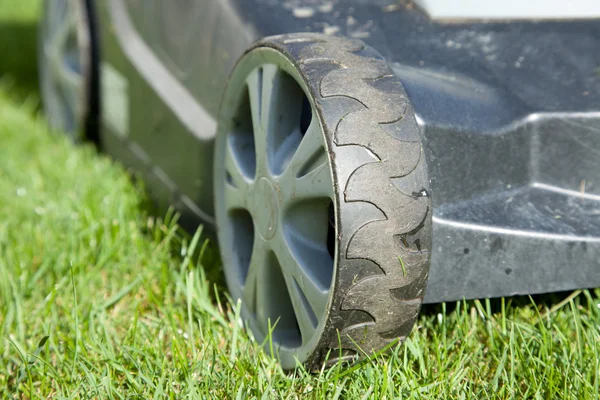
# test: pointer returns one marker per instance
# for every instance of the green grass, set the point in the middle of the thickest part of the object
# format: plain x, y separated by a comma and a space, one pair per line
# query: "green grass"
99, 299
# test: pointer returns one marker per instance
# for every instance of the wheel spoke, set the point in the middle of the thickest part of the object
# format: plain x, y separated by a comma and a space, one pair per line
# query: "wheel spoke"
64, 28
56, 14
308, 175
281, 116
254, 82
309, 297
310, 149
235, 198
239, 178
251, 296
317, 184
271, 96
236, 183
70, 80
47, 51
69, 84
307, 320
255, 92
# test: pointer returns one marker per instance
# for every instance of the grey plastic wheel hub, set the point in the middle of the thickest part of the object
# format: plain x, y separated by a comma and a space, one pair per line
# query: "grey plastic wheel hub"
64, 63
274, 200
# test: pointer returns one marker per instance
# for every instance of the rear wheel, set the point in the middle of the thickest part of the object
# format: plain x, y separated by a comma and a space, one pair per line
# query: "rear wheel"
321, 198
66, 57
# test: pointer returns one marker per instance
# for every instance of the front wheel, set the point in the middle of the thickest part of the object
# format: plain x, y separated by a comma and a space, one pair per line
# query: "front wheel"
321, 198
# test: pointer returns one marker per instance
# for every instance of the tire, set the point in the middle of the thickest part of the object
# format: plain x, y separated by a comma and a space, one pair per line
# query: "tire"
68, 67
379, 232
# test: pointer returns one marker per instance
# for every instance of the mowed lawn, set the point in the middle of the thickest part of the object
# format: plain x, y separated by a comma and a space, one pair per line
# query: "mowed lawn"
99, 298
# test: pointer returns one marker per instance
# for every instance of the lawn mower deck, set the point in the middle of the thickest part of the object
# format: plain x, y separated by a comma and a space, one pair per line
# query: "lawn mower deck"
510, 112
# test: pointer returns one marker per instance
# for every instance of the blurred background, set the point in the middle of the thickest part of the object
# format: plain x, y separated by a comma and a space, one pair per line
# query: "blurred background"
18, 61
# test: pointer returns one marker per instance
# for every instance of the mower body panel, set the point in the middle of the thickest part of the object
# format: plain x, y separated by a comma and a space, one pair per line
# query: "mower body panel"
510, 113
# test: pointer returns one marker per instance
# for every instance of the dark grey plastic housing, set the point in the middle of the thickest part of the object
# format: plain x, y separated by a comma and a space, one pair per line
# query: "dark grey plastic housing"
510, 113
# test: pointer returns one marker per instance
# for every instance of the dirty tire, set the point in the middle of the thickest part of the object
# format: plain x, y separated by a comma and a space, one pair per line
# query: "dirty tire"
382, 198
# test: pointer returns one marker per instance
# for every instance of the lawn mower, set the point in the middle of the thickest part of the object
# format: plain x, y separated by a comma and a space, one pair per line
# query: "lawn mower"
353, 158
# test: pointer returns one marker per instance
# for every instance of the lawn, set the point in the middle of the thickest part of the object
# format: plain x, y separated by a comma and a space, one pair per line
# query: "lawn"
99, 298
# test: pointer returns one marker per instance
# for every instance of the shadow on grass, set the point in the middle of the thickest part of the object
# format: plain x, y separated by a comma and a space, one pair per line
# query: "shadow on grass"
546, 300
18, 56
